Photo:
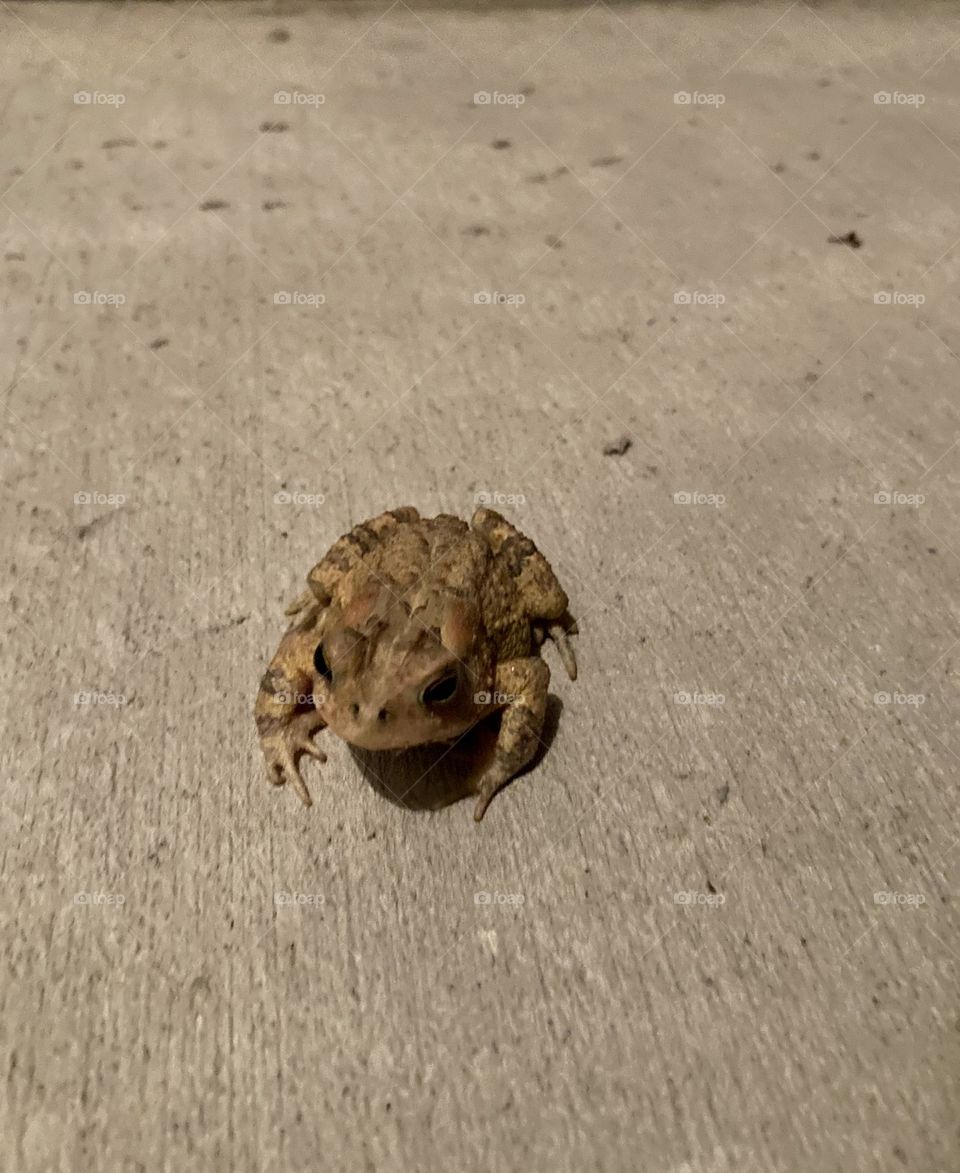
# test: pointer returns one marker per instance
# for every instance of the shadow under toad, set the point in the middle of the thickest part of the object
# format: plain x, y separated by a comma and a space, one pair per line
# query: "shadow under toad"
429, 777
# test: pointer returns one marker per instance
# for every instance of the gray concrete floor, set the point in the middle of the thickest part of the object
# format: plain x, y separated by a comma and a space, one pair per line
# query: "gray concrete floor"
722, 931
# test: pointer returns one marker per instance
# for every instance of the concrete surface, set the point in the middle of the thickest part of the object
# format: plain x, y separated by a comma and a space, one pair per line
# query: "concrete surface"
721, 935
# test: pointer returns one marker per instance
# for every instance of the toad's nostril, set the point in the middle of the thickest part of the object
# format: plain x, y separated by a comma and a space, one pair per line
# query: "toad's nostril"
383, 715
354, 710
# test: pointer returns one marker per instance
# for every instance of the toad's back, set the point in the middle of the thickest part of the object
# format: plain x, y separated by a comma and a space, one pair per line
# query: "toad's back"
405, 553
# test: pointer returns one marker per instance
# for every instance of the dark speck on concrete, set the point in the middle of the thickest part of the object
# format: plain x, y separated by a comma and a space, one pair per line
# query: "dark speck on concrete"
500, 144
111, 143
274, 127
475, 230
83, 531
14, 256
618, 447
216, 628
213, 205
278, 36
607, 161
271, 205
552, 241
159, 343
722, 793
848, 238
75, 164
543, 176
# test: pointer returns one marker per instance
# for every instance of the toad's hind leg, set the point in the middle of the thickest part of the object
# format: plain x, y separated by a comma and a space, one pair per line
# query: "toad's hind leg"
543, 598
542, 595
525, 682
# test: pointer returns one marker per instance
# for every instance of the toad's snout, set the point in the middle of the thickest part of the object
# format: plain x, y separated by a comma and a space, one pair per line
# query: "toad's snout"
373, 725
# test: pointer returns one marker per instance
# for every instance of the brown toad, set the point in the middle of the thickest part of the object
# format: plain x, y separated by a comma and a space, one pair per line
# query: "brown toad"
411, 631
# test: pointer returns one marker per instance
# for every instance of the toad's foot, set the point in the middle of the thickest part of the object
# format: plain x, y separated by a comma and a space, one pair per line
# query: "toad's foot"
560, 632
560, 636
285, 743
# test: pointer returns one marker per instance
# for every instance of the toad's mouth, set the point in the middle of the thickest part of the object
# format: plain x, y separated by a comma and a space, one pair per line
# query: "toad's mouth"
382, 736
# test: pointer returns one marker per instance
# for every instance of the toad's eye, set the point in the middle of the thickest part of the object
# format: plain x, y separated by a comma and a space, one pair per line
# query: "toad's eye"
443, 689
321, 665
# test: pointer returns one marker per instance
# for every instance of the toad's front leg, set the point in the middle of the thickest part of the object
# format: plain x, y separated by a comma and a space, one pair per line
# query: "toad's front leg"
525, 683
286, 713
